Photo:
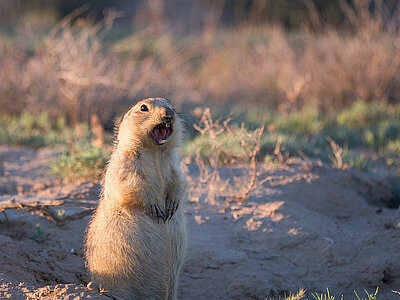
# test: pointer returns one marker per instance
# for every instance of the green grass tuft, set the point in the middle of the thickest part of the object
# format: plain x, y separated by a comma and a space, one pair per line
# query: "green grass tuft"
31, 130
234, 143
39, 235
85, 162
301, 295
79, 159
366, 132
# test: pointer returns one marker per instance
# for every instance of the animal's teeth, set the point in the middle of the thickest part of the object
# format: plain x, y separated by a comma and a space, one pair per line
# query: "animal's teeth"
168, 124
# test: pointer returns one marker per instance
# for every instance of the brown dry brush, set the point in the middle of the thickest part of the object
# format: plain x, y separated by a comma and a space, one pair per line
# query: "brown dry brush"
327, 68
89, 78
74, 71
211, 181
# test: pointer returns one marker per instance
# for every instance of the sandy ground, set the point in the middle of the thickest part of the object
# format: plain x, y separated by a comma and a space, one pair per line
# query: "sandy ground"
308, 226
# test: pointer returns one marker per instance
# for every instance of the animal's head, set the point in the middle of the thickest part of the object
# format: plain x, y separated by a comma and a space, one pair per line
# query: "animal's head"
151, 123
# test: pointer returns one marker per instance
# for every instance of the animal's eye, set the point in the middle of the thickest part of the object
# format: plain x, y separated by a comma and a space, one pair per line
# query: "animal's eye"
144, 108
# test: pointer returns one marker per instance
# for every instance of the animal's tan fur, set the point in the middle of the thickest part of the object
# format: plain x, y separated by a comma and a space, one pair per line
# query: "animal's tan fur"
128, 252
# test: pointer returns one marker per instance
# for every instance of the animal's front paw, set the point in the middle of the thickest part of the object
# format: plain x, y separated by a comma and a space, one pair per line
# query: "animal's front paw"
154, 211
172, 207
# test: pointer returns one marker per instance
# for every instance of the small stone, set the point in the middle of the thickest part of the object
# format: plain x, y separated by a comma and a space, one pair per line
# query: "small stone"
213, 267
90, 286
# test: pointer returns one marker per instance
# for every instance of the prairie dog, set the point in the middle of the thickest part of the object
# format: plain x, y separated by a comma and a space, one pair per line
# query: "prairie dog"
136, 240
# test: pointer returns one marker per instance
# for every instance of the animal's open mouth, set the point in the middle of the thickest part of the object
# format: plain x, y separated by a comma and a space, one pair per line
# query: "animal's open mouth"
161, 132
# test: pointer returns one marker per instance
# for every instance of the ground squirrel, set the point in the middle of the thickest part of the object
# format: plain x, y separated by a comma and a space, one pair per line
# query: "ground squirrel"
136, 241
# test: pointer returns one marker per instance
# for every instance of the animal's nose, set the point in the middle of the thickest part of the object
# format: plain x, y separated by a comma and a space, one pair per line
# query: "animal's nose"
169, 115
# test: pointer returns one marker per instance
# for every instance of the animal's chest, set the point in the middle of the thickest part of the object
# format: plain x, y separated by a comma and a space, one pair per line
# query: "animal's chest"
158, 172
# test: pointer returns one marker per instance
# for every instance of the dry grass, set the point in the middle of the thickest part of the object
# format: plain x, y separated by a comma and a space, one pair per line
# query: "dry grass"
75, 72
211, 181
337, 151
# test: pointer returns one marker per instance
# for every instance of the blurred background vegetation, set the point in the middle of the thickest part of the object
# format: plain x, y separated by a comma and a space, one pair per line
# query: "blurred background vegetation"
307, 69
